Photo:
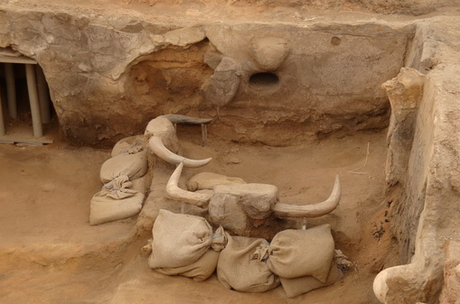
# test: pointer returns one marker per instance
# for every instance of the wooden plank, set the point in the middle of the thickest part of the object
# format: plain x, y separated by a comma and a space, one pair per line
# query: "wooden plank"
16, 59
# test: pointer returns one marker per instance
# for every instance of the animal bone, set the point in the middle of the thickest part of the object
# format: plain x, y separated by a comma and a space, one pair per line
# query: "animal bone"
280, 210
316, 210
157, 146
178, 194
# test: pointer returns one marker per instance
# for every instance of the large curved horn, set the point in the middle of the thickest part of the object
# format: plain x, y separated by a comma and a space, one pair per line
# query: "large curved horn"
287, 210
157, 146
178, 194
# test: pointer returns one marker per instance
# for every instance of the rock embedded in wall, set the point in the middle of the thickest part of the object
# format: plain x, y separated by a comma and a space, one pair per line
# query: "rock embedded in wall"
224, 83
405, 92
269, 52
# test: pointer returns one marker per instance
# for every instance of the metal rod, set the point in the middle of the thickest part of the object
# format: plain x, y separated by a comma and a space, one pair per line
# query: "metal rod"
204, 134
2, 123
11, 90
33, 99
304, 223
43, 95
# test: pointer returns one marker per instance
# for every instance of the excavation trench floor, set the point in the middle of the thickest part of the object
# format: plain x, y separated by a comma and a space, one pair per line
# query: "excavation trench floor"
50, 254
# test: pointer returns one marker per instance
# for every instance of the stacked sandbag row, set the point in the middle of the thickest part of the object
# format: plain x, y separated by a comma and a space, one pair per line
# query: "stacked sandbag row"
299, 260
123, 176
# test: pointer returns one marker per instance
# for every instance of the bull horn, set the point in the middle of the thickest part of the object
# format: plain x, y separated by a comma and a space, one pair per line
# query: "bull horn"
316, 210
178, 194
157, 146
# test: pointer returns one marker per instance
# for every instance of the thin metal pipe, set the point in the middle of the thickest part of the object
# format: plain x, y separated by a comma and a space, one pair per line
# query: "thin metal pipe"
11, 90
33, 99
2, 123
43, 95
204, 134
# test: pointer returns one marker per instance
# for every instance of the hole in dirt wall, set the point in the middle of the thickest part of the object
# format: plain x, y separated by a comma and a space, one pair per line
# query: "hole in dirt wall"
28, 113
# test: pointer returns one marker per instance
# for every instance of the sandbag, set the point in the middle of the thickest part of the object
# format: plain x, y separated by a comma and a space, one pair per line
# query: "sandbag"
207, 181
128, 145
115, 201
239, 269
298, 253
200, 270
298, 286
140, 184
180, 239
132, 165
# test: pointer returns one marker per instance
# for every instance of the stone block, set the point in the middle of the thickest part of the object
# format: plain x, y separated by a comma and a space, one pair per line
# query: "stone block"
240, 207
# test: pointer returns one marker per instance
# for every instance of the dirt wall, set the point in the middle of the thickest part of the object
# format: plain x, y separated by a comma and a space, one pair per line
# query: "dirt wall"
109, 76
417, 7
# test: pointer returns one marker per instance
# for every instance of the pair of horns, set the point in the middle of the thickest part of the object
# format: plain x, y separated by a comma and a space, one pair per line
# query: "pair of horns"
157, 146
280, 210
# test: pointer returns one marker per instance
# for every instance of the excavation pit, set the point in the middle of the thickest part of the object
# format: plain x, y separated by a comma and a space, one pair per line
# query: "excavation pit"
323, 113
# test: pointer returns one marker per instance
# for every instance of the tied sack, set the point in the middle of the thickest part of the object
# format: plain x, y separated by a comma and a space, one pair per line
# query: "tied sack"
115, 201
298, 253
132, 165
205, 266
301, 285
242, 268
201, 270
128, 145
180, 240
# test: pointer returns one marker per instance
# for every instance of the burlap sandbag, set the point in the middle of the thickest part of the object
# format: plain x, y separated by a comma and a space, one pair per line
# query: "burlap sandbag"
298, 286
199, 271
207, 181
132, 165
239, 269
179, 239
128, 145
140, 184
298, 253
115, 201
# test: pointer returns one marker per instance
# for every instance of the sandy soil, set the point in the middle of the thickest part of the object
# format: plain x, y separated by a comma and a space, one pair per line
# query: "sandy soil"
50, 254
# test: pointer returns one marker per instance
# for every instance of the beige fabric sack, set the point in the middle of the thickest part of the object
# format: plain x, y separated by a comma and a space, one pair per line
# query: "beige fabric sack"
298, 286
128, 145
207, 181
132, 165
240, 269
141, 184
199, 271
298, 253
179, 240
115, 201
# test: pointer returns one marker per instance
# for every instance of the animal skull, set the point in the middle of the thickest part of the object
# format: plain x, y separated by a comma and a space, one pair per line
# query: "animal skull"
280, 209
